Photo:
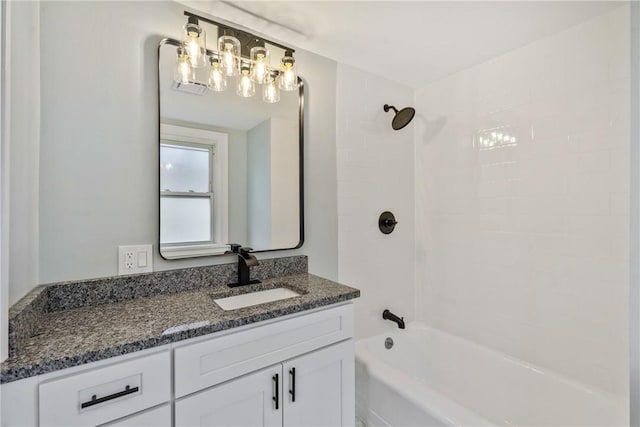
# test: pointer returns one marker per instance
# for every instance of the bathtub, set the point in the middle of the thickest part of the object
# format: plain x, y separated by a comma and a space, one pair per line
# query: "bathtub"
431, 378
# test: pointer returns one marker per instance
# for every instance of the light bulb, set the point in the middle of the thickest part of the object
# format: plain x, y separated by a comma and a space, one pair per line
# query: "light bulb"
193, 47
246, 86
260, 62
288, 75
271, 91
183, 67
217, 79
259, 70
288, 79
230, 50
229, 60
195, 42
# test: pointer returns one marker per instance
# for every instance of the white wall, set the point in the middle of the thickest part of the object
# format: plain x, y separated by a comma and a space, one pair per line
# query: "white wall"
259, 185
525, 248
23, 81
375, 174
98, 175
4, 189
285, 209
634, 255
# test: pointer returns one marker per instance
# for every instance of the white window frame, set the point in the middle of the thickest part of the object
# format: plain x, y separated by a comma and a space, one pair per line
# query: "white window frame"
220, 213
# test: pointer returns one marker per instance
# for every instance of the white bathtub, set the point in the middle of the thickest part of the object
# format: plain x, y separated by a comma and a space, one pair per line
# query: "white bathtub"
431, 378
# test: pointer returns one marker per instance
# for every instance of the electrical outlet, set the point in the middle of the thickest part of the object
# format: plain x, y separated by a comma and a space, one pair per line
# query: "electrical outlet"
135, 259
128, 260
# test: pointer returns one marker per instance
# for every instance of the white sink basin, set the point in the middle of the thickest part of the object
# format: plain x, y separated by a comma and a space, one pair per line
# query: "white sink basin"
255, 298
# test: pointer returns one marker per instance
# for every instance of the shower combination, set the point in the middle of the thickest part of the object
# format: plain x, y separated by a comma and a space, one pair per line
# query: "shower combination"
402, 117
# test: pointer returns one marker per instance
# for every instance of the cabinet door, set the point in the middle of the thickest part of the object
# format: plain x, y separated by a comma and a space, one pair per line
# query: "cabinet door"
246, 401
322, 392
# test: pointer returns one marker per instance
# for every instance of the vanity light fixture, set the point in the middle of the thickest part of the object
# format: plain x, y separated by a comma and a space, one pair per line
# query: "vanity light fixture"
241, 55
229, 48
195, 41
271, 90
260, 62
246, 86
184, 73
288, 74
217, 76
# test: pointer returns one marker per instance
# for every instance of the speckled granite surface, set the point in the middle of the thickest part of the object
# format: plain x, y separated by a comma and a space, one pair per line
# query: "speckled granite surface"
26, 314
70, 337
69, 295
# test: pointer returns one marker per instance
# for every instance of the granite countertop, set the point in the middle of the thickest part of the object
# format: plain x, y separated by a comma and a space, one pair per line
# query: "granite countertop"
72, 337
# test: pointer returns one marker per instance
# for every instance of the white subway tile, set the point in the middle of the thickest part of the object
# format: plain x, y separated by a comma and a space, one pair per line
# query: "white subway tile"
525, 248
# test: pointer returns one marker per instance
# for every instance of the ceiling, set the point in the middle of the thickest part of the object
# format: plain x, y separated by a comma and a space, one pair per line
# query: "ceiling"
411, 42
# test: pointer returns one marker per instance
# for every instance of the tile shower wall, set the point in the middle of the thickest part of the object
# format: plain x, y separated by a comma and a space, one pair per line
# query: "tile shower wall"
375, 174
522, 193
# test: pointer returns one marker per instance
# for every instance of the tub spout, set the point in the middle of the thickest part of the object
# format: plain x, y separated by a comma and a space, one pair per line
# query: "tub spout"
387, 315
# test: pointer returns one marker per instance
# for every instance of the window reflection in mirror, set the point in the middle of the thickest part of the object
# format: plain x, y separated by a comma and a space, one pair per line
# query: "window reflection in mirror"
230, 168
193, 190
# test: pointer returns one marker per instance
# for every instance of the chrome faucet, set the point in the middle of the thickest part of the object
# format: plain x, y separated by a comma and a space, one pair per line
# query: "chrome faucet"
245, 261
387, 315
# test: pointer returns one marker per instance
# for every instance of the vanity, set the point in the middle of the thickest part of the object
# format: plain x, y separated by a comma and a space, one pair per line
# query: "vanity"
93, 353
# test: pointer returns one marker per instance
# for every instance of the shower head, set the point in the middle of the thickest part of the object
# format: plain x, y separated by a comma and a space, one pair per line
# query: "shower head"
402, 117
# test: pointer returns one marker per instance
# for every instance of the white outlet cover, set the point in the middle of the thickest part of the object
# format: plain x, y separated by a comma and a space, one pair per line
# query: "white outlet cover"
131, 259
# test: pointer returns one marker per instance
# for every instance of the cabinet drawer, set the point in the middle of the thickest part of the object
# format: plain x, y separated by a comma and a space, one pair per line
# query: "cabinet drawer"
101, 395
157, 417
201, 365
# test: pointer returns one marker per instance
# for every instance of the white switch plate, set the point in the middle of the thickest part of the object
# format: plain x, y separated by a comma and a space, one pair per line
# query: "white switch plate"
135, 259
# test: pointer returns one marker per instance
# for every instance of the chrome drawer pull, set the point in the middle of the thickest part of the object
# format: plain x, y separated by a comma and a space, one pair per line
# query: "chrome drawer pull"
94, 399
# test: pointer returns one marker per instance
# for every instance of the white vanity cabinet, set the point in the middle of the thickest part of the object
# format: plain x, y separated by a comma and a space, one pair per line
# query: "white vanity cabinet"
313, 389
100, 395
303, 362
245, 401
320, 387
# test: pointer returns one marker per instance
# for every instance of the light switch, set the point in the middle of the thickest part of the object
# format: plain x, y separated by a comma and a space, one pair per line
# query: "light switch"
135, 259
142, 259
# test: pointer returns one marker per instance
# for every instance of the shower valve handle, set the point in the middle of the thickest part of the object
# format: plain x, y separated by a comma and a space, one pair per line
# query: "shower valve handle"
387, 222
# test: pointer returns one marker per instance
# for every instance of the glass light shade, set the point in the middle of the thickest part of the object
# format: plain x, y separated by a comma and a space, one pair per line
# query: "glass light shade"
288, 79
184, 72
217, 77
271, 91
259, 64
229, 48
246, 86
195, 41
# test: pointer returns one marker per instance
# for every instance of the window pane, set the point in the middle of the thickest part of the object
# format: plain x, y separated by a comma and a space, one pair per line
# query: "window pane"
184, 169
185, 219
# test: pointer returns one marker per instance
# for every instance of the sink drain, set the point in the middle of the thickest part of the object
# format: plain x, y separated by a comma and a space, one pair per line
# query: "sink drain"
388, 343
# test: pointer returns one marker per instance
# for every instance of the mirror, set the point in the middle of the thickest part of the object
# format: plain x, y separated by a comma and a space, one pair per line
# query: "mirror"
230, 167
